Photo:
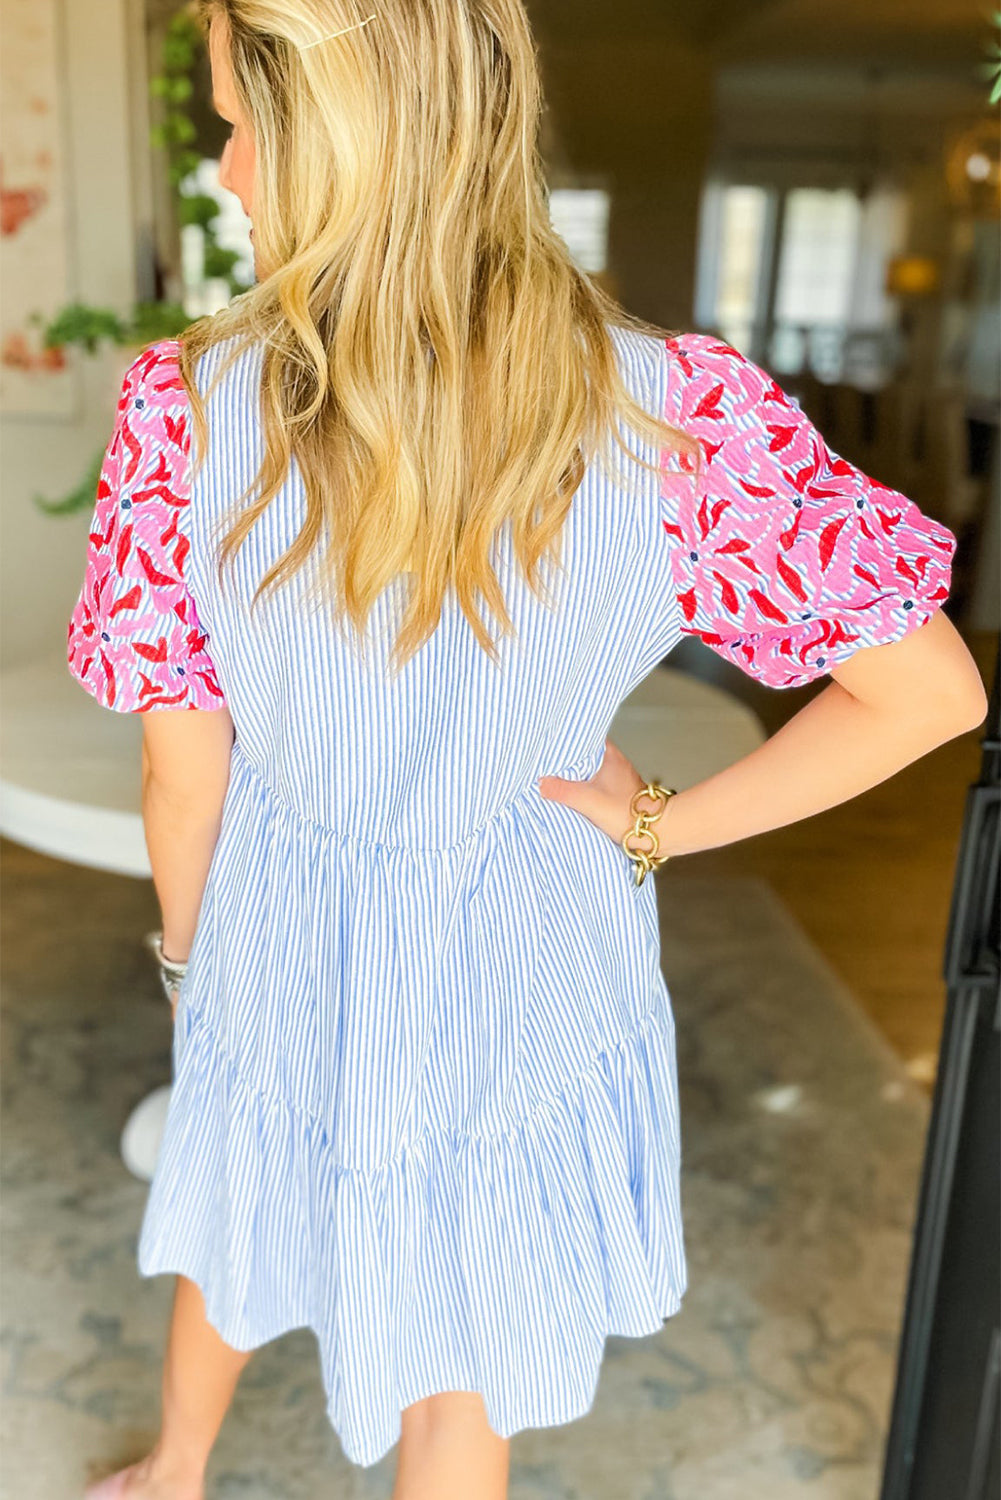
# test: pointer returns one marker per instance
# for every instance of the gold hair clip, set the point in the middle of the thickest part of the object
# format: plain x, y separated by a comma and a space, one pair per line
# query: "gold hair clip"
331, 34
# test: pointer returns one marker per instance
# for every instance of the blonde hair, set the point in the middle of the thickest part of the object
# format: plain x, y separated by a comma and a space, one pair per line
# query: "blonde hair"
433, 357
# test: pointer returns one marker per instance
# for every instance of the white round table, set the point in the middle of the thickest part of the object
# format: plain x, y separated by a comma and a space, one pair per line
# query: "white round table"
70, 782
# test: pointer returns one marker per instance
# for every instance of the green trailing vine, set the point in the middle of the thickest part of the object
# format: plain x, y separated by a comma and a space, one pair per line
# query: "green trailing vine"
88, 327
80, 498
175, 135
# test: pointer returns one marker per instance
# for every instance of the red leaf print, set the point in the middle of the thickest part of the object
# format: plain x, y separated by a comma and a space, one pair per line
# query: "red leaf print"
709, 405
176, 431
759, 491
727, 593
167, 698
150, 569
126, 601
781, 437
124, 547
674, 531
157, 492
767, 608
210, 683
685, 363
788, 537
161, 473
150, 685
839, 636
828, 538
864, 573
908, 572
889, 523
109, 678
688, 603
735, 544
790, 577
169, 380
151, 653
135, 452
817, 492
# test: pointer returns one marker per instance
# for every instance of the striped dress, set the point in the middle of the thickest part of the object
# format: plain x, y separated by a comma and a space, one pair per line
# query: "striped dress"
424, 1088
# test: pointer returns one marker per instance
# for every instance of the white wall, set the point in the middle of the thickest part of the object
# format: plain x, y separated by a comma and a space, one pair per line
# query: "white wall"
42, 557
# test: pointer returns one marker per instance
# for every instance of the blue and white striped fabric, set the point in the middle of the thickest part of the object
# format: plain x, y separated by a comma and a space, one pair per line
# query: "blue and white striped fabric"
424, 1094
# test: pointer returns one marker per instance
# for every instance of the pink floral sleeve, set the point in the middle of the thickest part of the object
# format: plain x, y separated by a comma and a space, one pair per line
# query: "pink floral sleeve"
134, 640
786, 558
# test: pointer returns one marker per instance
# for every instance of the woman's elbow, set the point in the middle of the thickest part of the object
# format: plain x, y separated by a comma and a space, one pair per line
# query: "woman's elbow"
977, 709
955, 702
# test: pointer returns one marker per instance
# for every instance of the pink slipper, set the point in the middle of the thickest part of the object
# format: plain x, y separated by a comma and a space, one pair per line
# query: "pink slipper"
112, 1488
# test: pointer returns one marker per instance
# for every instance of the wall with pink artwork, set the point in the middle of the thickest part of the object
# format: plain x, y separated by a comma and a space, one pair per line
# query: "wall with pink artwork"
34, 249
72, 80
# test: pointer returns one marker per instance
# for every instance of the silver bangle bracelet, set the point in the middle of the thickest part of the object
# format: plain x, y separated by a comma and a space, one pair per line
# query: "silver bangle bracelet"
172, 971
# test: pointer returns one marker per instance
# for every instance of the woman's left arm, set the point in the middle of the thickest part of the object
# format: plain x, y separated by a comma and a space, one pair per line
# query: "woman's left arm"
135, 641
888, 706
185, 773
793, 564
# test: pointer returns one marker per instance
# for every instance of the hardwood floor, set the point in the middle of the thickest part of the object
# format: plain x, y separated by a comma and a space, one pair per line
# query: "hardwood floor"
870, 881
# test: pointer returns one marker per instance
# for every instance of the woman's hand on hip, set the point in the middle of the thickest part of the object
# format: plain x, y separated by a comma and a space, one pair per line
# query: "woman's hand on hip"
604, 799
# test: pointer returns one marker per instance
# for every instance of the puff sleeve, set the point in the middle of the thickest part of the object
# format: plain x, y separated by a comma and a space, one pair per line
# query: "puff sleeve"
134, 640
785, 558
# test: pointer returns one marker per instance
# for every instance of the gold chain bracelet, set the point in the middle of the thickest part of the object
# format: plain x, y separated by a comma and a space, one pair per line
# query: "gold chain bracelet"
646, 859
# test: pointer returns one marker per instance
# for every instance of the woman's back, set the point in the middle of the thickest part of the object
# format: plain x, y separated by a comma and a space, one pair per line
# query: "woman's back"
426, 759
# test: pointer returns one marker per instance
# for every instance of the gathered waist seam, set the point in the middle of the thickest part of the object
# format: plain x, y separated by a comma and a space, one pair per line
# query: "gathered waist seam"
360, 839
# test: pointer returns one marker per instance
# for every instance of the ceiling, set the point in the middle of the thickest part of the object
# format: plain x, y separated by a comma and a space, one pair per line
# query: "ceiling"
943, 33
953, 33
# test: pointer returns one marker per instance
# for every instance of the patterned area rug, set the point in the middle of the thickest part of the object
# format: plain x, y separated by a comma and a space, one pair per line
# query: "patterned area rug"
802, 1137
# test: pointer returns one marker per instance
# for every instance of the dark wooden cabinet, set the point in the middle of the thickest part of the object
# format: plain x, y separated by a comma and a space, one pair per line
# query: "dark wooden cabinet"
945, 1428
